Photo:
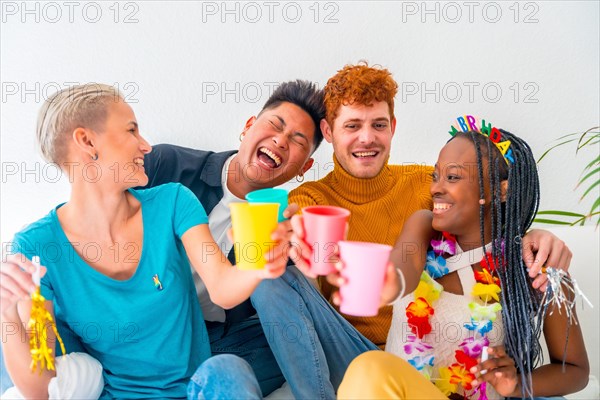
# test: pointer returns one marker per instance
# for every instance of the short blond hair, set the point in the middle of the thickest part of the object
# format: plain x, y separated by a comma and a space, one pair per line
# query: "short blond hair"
80, 106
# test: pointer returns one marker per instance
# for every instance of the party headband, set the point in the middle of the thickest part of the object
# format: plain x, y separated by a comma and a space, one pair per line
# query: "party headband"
469, 123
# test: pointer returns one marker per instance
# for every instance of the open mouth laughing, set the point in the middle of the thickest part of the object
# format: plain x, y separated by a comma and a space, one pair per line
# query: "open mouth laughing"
269, 158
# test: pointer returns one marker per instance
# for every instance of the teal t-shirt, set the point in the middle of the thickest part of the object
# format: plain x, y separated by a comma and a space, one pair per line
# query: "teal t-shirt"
148, 331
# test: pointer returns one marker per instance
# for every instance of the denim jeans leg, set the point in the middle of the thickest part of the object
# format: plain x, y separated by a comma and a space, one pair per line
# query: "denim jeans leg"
224, 377
5, 381
246, 339
312, 342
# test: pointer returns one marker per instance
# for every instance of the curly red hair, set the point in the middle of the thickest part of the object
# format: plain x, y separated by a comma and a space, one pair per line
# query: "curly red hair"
359, 84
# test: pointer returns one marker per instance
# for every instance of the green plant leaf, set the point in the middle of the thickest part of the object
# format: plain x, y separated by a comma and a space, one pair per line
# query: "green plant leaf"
588, 175
587, 143
590, 165
551, 222
589, 138
571, 135
596, 205
590, 189
596, 134
553, 147
559, 212
594, 214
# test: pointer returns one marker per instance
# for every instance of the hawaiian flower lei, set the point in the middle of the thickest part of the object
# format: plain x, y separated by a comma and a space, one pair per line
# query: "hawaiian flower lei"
419, 313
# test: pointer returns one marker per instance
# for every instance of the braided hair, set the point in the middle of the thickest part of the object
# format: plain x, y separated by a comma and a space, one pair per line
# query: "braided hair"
510, 220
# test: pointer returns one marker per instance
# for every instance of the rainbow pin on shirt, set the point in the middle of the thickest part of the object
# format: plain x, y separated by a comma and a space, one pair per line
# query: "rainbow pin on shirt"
157, 283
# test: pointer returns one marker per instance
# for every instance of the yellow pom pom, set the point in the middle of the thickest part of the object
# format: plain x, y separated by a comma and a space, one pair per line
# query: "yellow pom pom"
39, 321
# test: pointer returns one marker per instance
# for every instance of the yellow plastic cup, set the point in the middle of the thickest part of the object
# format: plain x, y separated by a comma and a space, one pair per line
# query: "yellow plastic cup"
252, 225
270, 195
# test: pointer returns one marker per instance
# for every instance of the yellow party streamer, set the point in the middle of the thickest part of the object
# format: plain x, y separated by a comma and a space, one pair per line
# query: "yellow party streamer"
39, 320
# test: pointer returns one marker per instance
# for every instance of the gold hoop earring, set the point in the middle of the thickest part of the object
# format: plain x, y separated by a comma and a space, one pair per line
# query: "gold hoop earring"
242, 135
300, 178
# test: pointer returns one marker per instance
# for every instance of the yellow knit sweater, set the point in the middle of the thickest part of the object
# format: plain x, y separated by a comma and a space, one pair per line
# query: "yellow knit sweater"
379, 206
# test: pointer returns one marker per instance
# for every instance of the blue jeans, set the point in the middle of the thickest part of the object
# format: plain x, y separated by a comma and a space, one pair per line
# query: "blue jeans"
247, 340
236, 379
224, 377
312, 342
5, 381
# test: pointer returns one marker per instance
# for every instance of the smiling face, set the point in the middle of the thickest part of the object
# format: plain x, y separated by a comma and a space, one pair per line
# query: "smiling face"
361, 137
455, 193
276, 146
121, 148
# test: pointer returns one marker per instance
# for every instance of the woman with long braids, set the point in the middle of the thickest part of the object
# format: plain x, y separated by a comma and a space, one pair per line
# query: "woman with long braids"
469, 324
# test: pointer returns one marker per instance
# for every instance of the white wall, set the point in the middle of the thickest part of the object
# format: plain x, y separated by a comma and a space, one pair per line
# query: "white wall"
194, 74
170, 58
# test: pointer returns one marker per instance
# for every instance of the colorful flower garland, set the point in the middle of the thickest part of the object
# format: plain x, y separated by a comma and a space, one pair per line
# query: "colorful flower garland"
419, 313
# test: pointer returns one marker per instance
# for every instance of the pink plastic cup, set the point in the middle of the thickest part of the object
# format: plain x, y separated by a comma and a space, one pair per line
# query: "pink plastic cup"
324, 226
364, 272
